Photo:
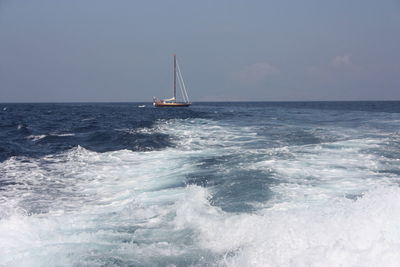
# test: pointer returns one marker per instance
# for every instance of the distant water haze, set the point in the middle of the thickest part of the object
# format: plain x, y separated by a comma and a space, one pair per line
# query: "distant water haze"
107, 51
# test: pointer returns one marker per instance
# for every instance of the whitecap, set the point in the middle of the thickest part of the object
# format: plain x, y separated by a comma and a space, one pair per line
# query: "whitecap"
342, 232
36, 137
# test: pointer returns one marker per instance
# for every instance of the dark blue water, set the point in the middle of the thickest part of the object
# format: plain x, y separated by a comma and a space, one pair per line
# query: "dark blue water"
96, 126
237, 184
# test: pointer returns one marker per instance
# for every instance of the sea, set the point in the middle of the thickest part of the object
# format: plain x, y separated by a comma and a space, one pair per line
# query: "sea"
215, 184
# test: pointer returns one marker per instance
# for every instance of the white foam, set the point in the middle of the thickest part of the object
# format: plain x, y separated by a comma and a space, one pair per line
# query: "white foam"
317, 172
73, 203
36, 137
203, 134
342, 232
134, 205
63, 134
312, 219
89, 119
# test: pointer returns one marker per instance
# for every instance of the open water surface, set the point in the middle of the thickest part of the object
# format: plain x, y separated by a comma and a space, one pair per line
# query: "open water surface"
216, 184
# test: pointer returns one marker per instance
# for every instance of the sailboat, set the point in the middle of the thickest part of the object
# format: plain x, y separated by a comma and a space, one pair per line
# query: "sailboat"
171, 102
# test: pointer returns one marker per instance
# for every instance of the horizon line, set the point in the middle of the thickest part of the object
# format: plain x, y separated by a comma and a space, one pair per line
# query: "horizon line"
203, 101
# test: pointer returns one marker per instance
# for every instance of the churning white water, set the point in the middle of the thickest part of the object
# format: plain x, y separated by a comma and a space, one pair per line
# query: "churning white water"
222, 193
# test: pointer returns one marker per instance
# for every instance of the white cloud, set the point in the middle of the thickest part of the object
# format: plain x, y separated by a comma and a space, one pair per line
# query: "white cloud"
344, 62
256, 72
341, 60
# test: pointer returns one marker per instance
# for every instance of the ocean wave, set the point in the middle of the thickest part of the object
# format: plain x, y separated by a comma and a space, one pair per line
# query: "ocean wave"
230, 185
342, 232
80, 201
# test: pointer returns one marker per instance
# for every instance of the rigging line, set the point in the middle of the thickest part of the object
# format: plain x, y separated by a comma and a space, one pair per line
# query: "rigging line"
183, 87
180, 82
183, 83
180, 85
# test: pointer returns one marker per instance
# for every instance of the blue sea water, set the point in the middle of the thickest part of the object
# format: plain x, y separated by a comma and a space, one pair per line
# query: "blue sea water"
216, 184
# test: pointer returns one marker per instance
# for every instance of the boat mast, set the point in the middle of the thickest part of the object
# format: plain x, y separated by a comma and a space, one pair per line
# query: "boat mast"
174, 77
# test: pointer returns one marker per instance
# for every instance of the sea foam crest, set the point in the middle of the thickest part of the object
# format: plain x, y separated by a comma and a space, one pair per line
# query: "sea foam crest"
93, 203
344, 232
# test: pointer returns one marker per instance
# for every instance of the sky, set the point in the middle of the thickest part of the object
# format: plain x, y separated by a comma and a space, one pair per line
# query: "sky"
271, 50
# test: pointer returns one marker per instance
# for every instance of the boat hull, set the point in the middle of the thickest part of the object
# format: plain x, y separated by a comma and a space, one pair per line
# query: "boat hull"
172, 105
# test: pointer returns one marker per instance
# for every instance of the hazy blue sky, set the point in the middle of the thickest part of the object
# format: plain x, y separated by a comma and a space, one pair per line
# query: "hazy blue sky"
97, 50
